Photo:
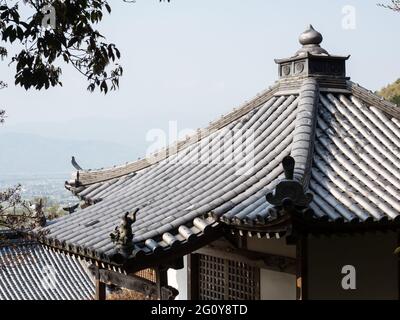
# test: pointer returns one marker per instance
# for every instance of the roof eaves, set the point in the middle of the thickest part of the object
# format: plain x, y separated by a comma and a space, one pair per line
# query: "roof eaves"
374, 100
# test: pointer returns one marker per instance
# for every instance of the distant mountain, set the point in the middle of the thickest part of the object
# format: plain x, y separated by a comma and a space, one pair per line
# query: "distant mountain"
120, 131
28, 153
392, 92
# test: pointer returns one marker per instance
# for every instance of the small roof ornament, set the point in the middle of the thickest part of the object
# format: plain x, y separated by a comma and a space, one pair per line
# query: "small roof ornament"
311, 40
123, 235
289, 192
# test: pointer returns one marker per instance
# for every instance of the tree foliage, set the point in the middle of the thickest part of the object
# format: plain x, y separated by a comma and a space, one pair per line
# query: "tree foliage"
18, 214
42, 35
55, 31
391, 92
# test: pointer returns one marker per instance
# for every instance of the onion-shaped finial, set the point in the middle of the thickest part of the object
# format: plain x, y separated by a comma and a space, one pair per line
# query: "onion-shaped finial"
311, 40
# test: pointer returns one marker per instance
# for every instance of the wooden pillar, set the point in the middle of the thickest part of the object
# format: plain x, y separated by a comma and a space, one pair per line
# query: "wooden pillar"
193, 276
302, 268
162, 280
100, 290
100, 286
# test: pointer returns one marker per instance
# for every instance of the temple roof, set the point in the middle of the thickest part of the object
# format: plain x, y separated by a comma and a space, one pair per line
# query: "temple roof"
30, 271
343, 138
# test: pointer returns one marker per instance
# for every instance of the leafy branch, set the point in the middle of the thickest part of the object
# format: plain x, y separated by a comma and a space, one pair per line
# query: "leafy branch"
69, 35
17, 214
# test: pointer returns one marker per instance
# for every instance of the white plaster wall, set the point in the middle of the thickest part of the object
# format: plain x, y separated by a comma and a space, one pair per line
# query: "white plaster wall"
277, 285
178, 280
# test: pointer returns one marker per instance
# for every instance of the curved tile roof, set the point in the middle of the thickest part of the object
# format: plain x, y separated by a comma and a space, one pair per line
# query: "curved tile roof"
30, 271
90, 177
356, 167
225, 174
344, 140
344, 144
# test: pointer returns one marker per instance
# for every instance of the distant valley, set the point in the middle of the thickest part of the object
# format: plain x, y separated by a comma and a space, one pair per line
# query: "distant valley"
41, 164
22, 153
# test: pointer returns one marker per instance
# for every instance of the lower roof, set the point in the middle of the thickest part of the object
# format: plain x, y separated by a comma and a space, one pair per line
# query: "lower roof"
30, 271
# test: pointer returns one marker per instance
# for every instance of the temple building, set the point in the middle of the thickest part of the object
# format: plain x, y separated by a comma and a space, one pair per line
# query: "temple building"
294, 195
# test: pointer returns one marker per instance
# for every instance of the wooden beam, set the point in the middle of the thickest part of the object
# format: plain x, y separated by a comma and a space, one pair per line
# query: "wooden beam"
253, 258
135, 283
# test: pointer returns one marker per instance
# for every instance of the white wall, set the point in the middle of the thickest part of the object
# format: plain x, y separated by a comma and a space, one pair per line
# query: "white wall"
178, 280
277, 285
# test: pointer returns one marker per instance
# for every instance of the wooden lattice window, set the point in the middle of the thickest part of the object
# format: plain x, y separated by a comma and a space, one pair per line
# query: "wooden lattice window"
149, 274
224, 279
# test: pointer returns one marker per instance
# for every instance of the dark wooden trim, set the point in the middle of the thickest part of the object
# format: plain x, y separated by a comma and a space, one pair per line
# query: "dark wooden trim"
276, 226
193, 276
258, 275
100, 290
301, 267
242, 242
168, 256
101, 293
162, 281
315, 226
227, 276
131, 282
253, 258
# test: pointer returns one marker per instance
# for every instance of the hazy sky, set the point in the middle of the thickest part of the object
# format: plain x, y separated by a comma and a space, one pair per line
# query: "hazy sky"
193, 60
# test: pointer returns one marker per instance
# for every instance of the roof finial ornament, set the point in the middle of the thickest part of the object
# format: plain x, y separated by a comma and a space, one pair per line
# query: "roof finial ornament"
289, 192
311, 40
288, 164
75, 164
123, 235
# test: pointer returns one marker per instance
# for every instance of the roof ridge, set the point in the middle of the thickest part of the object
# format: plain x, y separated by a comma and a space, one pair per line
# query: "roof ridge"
304, 132
88, 177
375, 100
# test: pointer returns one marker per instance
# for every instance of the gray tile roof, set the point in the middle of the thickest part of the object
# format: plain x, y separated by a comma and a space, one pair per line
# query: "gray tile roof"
356, 167
29, 271
192, 188
344, 143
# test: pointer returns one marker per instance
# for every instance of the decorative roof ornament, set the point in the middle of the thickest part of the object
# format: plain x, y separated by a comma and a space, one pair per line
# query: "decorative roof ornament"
312, 61
289, 192
311, 40
123, 235
71, 209
75, 164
